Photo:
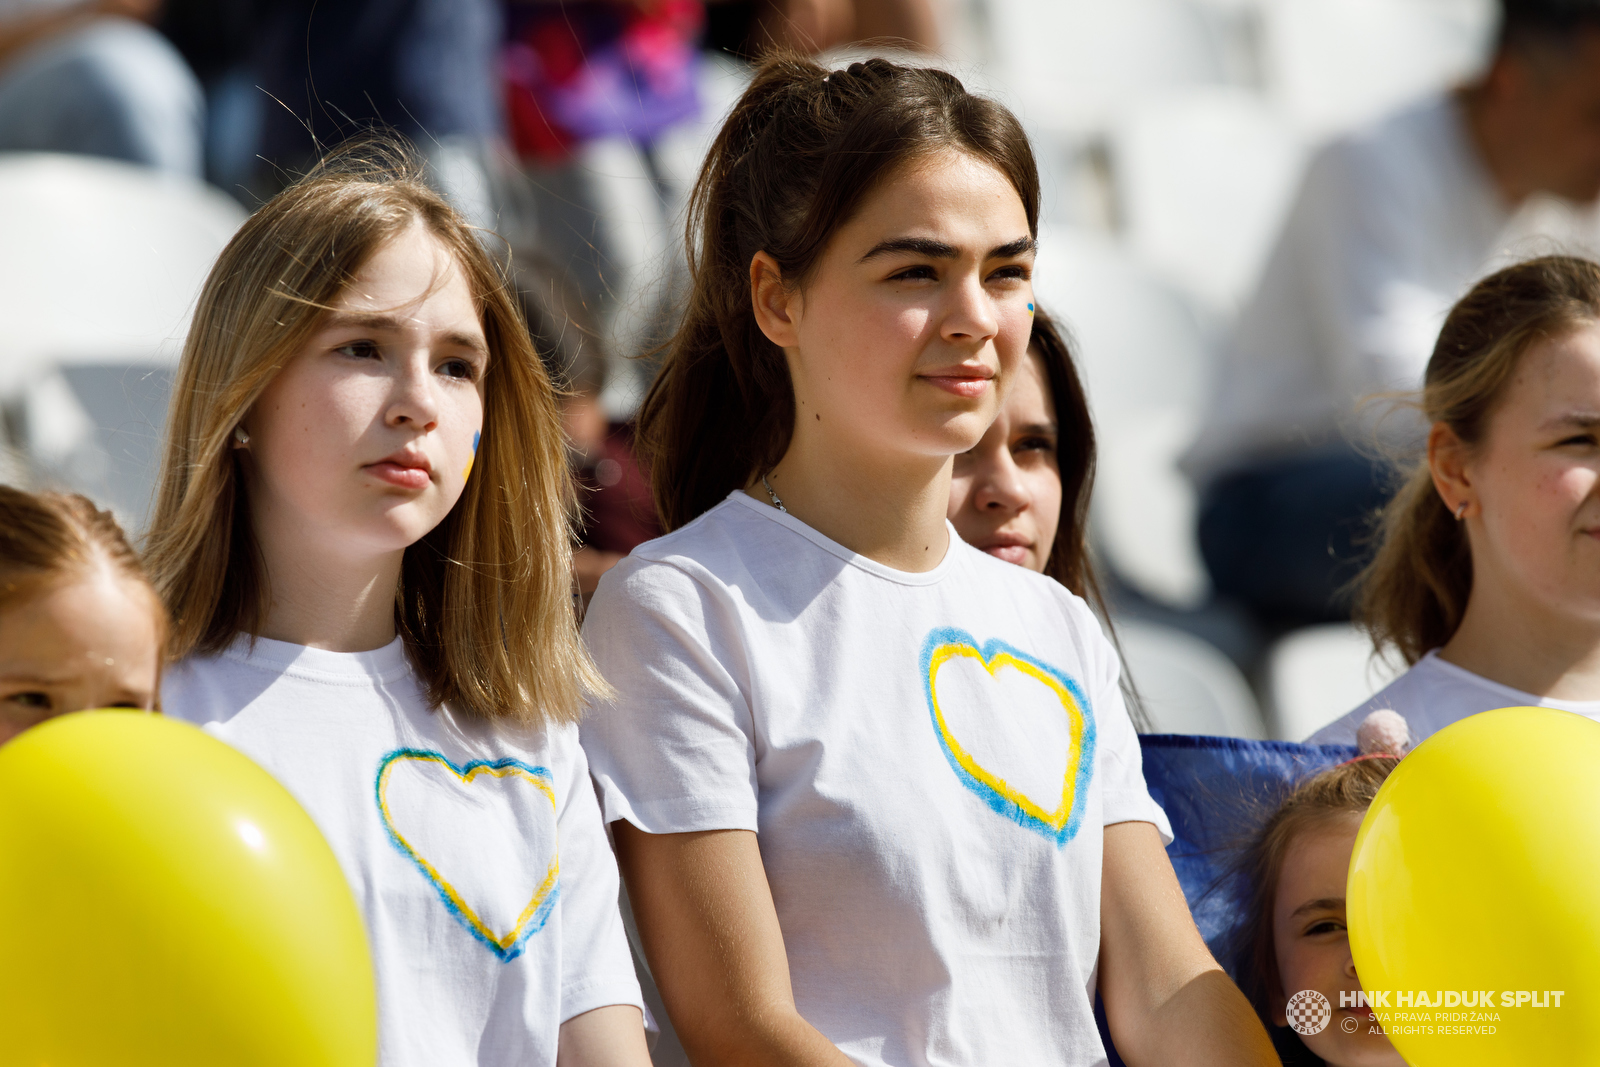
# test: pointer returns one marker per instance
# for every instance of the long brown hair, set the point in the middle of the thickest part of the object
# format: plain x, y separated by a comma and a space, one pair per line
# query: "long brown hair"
484, 599
1069, 561
50, 537
799, 152
1414, 592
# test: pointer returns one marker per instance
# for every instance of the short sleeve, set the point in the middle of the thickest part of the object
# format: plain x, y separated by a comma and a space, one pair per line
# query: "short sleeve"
596, 963
673, 751
1124, 795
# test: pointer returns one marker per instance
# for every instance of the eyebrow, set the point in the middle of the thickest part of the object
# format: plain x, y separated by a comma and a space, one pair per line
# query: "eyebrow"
926, 246
1587, 420
1320, 904
1039, 427
354, 320
34, 679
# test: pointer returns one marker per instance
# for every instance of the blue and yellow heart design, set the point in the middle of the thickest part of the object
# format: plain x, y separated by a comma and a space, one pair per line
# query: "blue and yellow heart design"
1061, 824
506, 946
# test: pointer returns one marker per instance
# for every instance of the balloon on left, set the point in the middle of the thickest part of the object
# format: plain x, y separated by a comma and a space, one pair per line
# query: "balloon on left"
163, 900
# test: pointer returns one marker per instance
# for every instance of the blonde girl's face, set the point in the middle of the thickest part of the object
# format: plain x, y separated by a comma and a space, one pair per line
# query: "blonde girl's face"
917, 313
88, 641
363, 442
1313, 944
1533, 515
1005, 492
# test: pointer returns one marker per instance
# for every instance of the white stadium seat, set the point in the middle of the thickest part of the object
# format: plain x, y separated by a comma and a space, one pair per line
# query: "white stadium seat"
1145, 355
1185, 685
103, 263
1203, 181
1317, 674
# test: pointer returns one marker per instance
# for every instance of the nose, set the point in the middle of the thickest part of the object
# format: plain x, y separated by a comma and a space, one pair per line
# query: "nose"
413, 398
970, 317
999, 488
1349, 966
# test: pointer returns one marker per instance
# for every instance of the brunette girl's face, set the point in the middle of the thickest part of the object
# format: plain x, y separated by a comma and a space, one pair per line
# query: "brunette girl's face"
1532, 487
1005, 493
87, 641
1313, 944
363, 442
915, 316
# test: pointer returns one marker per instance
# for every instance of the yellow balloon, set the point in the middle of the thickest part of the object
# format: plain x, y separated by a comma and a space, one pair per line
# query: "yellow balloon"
163, 900
1477, 871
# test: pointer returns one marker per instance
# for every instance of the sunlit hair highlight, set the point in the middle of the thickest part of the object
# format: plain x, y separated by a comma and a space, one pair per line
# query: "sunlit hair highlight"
484, 599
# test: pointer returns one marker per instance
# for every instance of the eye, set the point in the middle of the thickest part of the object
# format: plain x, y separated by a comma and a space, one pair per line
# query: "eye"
363, 349
1016, 272
921, 272
460, 369
1585, 439
1035, 444
38, 700
1326, 926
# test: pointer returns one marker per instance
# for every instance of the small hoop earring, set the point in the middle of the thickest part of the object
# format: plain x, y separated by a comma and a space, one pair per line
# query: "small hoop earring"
1461, 509
241, 437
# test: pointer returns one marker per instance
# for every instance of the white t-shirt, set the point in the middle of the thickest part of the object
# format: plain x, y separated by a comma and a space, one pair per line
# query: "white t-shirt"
449, 831
1391, 226
928, 759
1435, 693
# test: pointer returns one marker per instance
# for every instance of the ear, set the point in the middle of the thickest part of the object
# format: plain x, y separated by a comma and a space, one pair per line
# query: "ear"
777, 308
1447, 462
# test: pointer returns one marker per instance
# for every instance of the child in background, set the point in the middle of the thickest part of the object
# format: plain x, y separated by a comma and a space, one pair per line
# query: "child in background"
362, 532
1487, 575
80, 626
1293, 936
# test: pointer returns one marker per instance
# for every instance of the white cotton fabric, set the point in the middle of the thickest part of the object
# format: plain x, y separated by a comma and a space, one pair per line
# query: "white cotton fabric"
1391, 226
1435, 693
456, 987
934, 911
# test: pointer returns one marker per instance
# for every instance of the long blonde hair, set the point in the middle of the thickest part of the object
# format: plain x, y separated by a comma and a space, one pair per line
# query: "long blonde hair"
1413, 594
484, 599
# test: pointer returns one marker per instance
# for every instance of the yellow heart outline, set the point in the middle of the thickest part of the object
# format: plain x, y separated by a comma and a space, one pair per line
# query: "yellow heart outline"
506, 946
1061, 825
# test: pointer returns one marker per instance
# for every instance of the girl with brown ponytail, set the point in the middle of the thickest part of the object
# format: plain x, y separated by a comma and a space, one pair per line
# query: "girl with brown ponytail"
874, 793
1487, 576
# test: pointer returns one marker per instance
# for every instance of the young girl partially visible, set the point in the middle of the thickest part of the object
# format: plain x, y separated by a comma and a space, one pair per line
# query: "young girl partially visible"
80, 626
362, 537
1487, 578
1293, 934
955, 844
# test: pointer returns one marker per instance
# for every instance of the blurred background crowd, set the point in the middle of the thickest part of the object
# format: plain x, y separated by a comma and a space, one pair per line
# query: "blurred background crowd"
1257, 213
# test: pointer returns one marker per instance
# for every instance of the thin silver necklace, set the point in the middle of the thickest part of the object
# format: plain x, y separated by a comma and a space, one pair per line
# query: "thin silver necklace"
773, 493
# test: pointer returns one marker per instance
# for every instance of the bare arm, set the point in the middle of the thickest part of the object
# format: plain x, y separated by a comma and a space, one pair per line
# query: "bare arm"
612, 1036
711, 936
1167, 1001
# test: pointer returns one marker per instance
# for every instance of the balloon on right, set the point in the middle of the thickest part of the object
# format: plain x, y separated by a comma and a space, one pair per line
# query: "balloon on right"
1473, 900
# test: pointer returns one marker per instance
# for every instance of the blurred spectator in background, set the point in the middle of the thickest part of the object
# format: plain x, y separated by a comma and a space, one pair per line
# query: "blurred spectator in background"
1391, 224
618, 512
93, 77
750, 27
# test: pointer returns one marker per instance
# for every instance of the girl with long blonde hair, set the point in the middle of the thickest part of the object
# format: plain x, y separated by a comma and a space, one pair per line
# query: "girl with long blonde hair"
362, 537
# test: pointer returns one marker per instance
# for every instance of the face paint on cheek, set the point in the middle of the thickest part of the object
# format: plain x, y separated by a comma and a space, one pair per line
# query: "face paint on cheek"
1030, 309
466, 472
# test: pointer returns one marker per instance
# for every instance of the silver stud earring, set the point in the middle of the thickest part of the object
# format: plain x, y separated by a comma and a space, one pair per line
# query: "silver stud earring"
241, 437
1461, 509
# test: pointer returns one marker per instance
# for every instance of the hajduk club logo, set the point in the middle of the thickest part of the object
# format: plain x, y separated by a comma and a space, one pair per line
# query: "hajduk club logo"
1309, 1012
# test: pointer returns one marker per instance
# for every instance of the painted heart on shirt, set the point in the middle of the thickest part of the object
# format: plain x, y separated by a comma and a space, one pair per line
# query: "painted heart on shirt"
1018, 732
469, 833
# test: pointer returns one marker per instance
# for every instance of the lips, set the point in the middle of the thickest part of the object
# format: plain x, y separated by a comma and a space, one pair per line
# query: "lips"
965, 380
403, 470
1008, 547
